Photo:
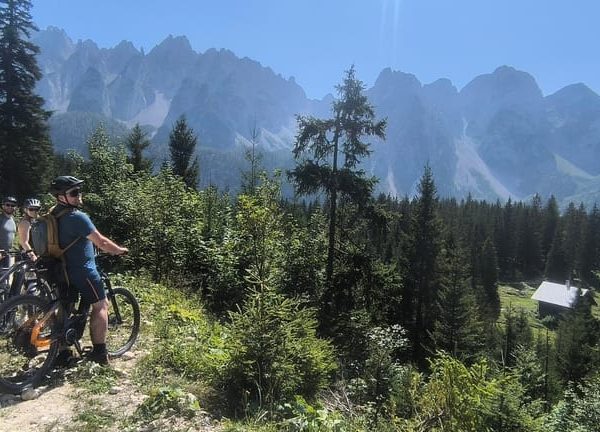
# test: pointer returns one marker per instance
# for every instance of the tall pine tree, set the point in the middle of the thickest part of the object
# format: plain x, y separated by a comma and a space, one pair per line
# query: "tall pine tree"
590, 256
557, 267
489, 300
529, 254
549, 225
577, 342
250, 178
25, 149
335, 148
458, 329
182, 144
574, 220
137, 141
507, 245
420, 295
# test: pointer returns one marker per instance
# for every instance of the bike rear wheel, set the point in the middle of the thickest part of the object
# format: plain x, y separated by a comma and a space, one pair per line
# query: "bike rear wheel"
123, 321
28, 342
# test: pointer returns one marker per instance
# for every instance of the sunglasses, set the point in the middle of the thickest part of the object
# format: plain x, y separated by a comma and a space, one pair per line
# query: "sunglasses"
74, 193
9, 205
34, 209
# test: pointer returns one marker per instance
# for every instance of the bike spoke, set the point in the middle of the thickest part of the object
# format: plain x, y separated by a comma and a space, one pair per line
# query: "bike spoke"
27, 342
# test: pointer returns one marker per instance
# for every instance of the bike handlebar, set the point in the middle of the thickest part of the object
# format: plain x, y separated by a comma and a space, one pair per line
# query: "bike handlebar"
14, 253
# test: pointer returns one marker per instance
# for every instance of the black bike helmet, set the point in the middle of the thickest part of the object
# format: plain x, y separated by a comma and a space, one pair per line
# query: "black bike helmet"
9, 199
61, 184
32, 203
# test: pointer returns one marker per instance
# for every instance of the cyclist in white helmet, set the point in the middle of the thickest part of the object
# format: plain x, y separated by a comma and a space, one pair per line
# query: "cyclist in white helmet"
31, 210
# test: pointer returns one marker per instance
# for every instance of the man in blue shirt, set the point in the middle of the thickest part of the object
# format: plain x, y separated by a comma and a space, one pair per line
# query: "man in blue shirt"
77, 233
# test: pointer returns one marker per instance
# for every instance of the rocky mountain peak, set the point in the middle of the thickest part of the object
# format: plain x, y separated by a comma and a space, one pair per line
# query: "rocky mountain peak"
575, 96
498, 136
54, 44
506, 90
505, 82
125, 47
389, 78
441, 91
173, 46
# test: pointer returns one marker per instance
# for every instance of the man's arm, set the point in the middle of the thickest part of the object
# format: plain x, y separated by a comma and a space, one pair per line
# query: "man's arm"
105, 244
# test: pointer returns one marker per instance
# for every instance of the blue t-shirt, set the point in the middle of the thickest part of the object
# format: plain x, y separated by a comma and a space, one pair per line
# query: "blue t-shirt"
77, 225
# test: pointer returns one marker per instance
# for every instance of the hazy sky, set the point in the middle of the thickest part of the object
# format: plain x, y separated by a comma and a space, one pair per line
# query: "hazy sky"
557, 41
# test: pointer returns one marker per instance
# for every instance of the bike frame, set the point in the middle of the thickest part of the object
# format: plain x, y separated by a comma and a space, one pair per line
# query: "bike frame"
110, 295
18, 269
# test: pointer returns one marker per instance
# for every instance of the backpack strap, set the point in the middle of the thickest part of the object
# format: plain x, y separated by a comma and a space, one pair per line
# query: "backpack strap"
71, 244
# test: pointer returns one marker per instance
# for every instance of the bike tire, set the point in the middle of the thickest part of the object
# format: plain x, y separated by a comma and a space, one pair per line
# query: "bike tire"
123, 329
22, 364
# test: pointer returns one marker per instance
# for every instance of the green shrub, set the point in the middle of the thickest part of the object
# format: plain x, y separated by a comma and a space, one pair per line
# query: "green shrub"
166, 401
579, 411
274, 353
462, 398
379, 376
307, 418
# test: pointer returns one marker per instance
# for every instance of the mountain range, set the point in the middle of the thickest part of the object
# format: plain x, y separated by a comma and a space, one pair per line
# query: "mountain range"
497, 137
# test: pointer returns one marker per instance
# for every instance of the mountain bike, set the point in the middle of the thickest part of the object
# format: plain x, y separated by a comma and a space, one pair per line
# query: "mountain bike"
37, 328
21, 277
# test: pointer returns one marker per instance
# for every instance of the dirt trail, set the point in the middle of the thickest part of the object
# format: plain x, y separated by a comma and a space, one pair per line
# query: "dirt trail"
64, 406
60, 402
54, 406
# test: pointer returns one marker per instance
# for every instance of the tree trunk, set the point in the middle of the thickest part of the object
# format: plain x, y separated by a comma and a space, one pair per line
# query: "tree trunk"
332, 212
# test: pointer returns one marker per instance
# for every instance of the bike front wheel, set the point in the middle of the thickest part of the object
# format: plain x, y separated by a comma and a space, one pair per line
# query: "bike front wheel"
29, 342
123, 321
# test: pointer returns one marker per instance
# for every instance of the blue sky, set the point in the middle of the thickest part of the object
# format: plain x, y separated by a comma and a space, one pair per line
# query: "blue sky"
316, 40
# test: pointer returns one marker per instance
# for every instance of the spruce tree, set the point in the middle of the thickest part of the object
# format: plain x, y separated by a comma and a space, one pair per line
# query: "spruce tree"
530, 242
507, 246
576, 342
517, 332
574, 220
421, 289
137, 141
557, 266
458, 329
182, 144
254, 157
490, 300
549, 225
26, 155
590, 256
335, 148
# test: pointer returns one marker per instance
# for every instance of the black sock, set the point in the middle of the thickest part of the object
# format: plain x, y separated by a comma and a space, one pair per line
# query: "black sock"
99, 348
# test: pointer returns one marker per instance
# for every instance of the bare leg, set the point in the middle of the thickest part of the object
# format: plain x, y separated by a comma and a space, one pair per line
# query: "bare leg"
99, 321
